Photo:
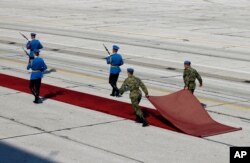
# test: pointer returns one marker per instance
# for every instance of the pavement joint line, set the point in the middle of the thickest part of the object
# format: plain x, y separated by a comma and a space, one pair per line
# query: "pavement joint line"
8, 94
218, 142
52, 131
67, 138
246, 121
233, 116
99, 148
211, 106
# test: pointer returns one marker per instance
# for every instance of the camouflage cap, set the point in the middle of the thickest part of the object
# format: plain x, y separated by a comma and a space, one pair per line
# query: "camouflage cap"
187, 63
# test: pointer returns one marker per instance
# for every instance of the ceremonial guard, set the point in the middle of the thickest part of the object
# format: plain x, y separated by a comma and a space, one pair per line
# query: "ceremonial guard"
133, 84
189, 77
33, 45
115, 60
38, 66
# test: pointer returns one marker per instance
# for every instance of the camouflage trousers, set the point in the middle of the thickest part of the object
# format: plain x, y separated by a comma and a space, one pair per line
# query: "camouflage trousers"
135, 104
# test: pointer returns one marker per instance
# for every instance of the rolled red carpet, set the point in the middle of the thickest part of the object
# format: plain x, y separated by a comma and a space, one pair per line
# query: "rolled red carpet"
185, 112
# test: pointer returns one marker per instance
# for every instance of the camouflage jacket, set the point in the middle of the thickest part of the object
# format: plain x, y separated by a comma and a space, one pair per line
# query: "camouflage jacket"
133, 84
189, 77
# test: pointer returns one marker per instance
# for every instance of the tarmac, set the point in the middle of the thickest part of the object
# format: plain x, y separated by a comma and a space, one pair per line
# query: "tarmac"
155, 38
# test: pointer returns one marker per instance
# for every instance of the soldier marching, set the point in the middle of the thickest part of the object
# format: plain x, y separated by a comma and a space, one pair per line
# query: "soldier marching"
115, 60
33, 45
38, 66
189, 77
133, 84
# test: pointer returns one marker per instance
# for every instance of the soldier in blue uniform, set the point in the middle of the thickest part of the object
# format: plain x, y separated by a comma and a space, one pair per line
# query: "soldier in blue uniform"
38, 66
115, 60
33, 45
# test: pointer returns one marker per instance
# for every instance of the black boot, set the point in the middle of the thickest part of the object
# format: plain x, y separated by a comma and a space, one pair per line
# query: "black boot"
113, 92
117, 93
37, 100
138, 119
144, 122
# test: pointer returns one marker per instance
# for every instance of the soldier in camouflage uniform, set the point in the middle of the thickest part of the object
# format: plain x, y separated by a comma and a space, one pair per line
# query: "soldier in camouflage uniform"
133, 84
189, 77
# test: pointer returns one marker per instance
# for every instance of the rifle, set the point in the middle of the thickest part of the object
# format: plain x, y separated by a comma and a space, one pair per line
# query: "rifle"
25, 52
106, 49
24, 36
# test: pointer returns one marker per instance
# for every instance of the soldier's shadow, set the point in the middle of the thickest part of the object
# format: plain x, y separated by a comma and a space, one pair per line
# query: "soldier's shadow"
51, 95
156, 115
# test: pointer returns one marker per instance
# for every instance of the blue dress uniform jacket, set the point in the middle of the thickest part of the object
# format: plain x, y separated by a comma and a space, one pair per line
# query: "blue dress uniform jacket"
33, 45
115, 60
38, 66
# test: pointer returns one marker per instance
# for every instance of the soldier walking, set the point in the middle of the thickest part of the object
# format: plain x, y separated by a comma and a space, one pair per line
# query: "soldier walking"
189, 77
115, 60
133, 84
33, 45
38, 67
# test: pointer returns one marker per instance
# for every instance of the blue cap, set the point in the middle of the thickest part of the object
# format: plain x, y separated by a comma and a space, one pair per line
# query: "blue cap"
36, 51
130, 70
116, 47
187, 63
33, 34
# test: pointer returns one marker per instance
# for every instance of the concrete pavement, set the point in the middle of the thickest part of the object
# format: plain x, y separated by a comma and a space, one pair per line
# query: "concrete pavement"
155, 38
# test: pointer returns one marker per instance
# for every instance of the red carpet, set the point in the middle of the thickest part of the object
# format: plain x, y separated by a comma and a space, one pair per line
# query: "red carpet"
97, 103
186, 113
117, 108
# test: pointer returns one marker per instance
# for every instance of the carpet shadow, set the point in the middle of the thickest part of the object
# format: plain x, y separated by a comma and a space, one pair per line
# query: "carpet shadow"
156, 115
52, 95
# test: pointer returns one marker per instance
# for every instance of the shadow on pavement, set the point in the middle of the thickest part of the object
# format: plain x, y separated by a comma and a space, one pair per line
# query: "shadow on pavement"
10, 154
51, 95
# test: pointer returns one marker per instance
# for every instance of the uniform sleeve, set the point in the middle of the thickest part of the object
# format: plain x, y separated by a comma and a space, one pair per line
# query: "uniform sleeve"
28, 45
197, 75
28, 66
44, 67
40, 46
122, 62
186, 78
123, 87
108, 59
143, 87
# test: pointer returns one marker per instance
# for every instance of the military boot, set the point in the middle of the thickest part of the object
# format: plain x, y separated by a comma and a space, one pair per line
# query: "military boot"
144, 122
117, 93
113, 92
138, 119
37, 100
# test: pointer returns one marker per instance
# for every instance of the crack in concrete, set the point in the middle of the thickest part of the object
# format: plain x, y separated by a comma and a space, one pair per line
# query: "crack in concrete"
211, 106
233, 116
66, 137
7, 94
218, 142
